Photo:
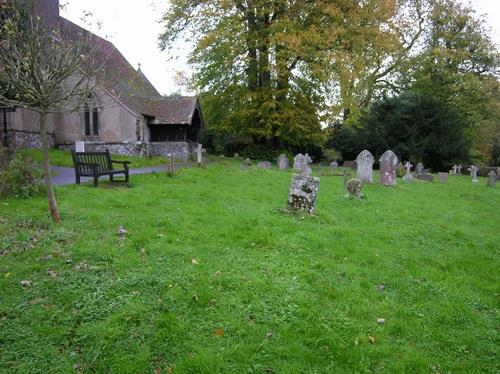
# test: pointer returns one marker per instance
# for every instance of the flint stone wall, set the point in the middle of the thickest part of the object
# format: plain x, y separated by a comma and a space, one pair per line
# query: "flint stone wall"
26, 139
303, 193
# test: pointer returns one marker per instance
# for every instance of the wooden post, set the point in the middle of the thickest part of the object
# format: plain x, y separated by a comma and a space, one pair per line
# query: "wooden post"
170, 165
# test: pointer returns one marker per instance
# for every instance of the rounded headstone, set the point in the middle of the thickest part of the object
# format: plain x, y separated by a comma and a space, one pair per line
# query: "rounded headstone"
354, 187
364, 163
388, 165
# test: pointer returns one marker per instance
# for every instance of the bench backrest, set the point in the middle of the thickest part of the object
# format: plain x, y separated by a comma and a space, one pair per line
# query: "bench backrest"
82, 159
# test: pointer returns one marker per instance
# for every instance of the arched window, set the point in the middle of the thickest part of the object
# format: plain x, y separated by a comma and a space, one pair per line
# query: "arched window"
91, 116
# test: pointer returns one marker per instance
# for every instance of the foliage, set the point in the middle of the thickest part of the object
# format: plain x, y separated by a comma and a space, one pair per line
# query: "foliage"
261, 152
268, 291
20, 178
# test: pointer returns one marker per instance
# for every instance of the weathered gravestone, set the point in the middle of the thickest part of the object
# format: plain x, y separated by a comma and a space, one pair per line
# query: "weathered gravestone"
492, 180
365, 162
459, 169
264, 165
303, 193
400, 170
388, 164
334, 165
420, 168
425, 177
354, 187
473, 173
443, 177
246, 164
408, 177
283, 162
301, 164
79, 146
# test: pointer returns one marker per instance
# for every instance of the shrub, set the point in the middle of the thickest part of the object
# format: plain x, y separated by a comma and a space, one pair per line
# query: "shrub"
20, 178
263, 153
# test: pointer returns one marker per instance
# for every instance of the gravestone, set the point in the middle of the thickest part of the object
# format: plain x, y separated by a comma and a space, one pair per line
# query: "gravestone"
459, 169
420, 168
425, 177
199, 157
170, 165
247, 164
473, 173
264, 165
388, 164
334, 165
408, 176
236, 155
283, 162
349, 164
79, 146
301, 164
454, 170
443, 177
365, 162
492, 180
303, 193
400, 170
354, 188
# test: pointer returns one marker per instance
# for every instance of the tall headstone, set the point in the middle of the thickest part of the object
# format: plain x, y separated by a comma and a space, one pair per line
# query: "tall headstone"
170, 165
354, 187
443, 177
492, 180
303, 193
388, 164
365, 162
283, 162
301, 164
408, 176
473, 173
199, 157
79, 146
420, 168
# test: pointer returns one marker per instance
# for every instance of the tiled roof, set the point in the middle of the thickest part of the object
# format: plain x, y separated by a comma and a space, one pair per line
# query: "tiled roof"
171, 110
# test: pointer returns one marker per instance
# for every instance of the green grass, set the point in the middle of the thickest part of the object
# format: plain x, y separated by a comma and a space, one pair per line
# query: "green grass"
60, 157
271, 293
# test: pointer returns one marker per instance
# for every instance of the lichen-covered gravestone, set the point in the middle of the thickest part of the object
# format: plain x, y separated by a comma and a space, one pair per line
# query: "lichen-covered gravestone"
473, 173
283, 162
303, 193
400, 170
264, 165
492, 180
364, 163
301, 164
443, 177
420, 168
408, 177
354, 187
388, 164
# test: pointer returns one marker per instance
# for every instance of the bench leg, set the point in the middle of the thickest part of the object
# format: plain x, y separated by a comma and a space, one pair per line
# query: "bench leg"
126, 177
77, 179
96, 180
111, 179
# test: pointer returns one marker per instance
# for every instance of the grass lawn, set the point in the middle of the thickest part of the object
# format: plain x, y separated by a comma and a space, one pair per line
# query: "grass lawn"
60, 157
214, 278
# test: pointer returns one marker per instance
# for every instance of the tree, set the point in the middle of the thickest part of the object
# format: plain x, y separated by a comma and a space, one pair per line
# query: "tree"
43, 71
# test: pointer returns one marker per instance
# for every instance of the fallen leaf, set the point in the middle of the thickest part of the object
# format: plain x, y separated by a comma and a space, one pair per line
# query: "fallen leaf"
212, 302
6, 275
269, 335
219, 332
194, 262
26, 283
380, 321
195, 297
52, 273
371, 339
380, 287
122, 231
356, 342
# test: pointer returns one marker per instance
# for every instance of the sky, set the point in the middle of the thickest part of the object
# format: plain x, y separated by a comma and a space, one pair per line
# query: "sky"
134, 25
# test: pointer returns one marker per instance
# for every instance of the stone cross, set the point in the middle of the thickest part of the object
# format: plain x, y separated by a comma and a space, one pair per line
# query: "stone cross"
492, 180
408, 176
420, 168
303, 193
455, 169
364, 163
301, 164
388, 164
473, 173
283, 162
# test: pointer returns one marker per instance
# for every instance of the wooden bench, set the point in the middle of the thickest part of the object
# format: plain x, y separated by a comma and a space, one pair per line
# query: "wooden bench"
96, 164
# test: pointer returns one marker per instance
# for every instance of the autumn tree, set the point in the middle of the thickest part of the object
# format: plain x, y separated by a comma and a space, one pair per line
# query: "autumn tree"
43, 71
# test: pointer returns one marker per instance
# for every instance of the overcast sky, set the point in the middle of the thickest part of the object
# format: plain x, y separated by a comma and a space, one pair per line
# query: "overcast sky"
133, 26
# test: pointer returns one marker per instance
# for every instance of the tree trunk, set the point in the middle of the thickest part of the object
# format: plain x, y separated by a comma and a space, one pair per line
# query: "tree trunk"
46, 168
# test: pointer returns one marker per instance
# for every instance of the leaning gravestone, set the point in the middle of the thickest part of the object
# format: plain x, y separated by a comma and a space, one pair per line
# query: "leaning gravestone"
283, 162
365, 162
301, 164
354, 187
425, 177
388, 164
408, 176
420, 168
264, 165
492, 180
303, 193
443, 177
473, 173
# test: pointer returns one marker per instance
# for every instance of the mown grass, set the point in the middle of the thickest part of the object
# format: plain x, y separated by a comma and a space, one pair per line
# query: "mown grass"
59, 157
268, 292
